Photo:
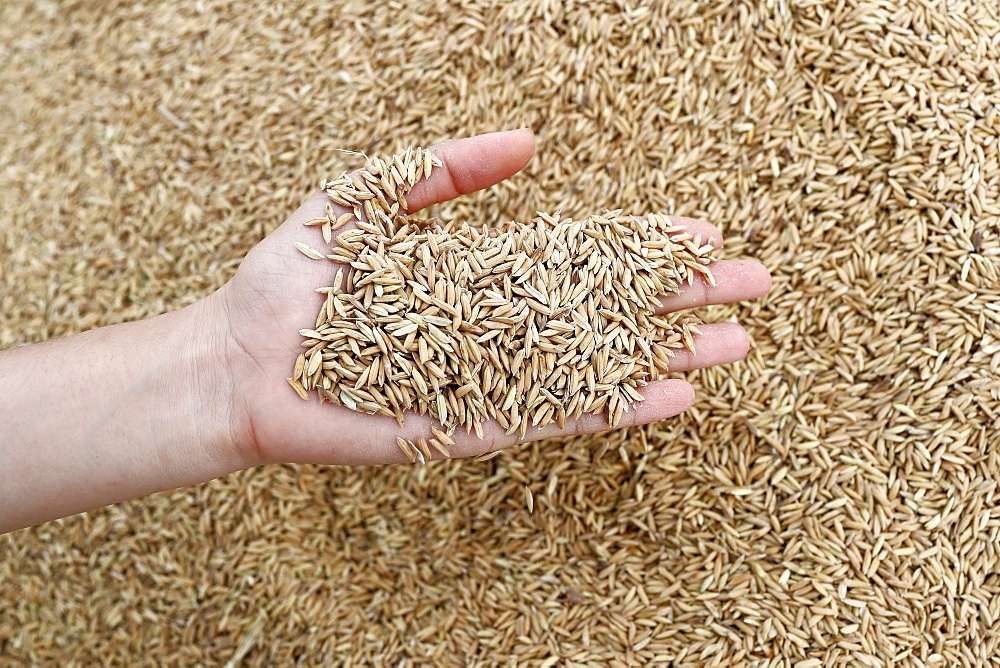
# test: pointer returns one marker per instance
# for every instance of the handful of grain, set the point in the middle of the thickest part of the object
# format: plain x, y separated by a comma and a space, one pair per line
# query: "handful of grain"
525, 323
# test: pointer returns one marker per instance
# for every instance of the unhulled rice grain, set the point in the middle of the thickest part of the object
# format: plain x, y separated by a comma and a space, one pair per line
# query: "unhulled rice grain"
526, 324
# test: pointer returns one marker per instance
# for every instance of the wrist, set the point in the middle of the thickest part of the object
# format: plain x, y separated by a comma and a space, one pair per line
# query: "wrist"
142, 407
211, 371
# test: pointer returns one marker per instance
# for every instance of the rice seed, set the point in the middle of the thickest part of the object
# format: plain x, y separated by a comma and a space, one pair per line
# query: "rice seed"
342, 220
299, 389
424, 448
440, 447
315, 360
407, 449
442, 436
309, 251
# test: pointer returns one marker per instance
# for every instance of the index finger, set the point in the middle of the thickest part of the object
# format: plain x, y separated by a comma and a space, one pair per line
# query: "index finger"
471, 164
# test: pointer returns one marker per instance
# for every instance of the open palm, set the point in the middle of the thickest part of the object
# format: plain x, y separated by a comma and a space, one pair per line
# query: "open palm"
272, 297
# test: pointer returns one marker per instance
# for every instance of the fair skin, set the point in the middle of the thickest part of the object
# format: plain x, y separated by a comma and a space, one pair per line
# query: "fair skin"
195, 394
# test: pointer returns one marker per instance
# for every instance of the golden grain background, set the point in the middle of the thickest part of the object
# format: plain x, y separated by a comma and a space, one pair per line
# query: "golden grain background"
830, 501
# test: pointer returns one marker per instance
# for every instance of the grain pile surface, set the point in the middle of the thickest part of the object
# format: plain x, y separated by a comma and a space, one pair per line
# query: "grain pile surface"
831, 501
527, 324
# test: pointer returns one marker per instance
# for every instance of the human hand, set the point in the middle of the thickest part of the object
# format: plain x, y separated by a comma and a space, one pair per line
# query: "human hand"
272, 297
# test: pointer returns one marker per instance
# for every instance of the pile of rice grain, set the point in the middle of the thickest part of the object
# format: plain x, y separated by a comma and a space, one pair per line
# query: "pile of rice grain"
526, 324
833, 498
